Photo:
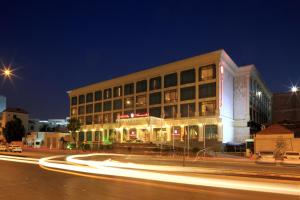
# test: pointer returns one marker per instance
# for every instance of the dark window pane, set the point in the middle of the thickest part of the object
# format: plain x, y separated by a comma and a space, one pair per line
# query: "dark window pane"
81, 136
211, 132
187, 93
155, 83
170, 80
170, 111
187, 110
107, 118
141, 86
98, 95
117, 104
155, 98
81, 99
207, 90
118, 91
74, 101
129, 102
89, 136
89, 97
107, 93
81, 110
141, 111
155, 112
207, 72
129, 89
98, 119
187, 76
98, 107
89, 108
88, 120
107, 106
128, 112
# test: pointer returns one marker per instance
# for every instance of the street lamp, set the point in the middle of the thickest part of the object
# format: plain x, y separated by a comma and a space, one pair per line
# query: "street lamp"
7, 72
294, 89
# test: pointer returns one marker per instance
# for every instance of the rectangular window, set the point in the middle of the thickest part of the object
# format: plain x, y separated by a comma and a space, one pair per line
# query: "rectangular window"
155, 98
141, 101
187, 93
89, 136
107, 106
129, 89
81, 120
89, 120
98, 107
129, 102
98, 119
207, 72
118, 91
207, 108
170, 111
74, 101
155, 83
81, 110
128, 112
211, 132
73, 111
207, 90
117, 104
155, 112
107, 93
187, 76
98, 95
107, 118
89, 97
81, 136
187, 110
89, 108
141, 111
97, 136
171, 96
141, 86
81, 99
170, 80
116, 116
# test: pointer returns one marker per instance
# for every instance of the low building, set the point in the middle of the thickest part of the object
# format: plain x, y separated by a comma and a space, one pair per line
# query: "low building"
50, 140
50, 125
269, 138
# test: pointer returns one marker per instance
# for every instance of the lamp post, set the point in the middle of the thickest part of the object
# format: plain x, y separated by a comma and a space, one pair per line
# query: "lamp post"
7, 72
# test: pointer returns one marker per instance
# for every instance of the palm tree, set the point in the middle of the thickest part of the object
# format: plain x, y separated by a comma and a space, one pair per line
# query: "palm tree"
73, 126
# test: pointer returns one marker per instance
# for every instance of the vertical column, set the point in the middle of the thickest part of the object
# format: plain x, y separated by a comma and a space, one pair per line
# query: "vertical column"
201, 133
84, 135
168, 129
178, 95
197, 92
220, 131
121, 135
181, 132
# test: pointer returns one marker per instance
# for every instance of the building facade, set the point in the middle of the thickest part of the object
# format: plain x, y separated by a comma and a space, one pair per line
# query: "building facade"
204, 99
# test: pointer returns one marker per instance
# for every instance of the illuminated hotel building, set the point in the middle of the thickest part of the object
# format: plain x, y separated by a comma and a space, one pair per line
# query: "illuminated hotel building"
206, 98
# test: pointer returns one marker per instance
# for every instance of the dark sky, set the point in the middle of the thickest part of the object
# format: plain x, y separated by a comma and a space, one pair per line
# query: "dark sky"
60, 45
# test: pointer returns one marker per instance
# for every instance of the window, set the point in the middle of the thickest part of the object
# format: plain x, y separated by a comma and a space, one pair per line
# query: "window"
141, 101
118, 104
207, 90
89, 108
118, 91
170, 80
129, 89
170, 111
81, 99
207, 108
107, 118
88, 120
187, 110
155, 98
81, 120
98, 95
98, 119
155, 83
107, 93
192, 131
171, 96
187, 93
74, 101
207, 72
128, 103
211, 132
116, 116
98, 107
81, 136
141, 86
89, 136
81, 110
187, 76
97, 135
89, 97
141, 111
107, 106
155, 112
73, 111
128, 112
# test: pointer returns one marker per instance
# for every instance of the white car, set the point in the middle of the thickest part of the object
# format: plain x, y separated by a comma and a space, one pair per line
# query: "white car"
3, 147
15, 148
266, 157
291, 157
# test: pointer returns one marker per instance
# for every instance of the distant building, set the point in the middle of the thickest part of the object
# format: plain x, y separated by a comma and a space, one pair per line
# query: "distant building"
50, 140
50, 125
2, 103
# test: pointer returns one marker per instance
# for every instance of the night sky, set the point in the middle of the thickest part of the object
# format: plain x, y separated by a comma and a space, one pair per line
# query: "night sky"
60, 45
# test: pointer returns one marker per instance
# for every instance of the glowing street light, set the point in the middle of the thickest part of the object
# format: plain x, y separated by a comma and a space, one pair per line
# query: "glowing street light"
294, 89
7, 72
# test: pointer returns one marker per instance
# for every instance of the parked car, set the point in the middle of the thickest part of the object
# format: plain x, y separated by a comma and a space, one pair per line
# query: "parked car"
266, 157
291, 157
3, 147
15, 148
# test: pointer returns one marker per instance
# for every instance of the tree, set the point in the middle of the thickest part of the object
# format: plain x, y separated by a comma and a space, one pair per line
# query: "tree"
73, 126
14, 130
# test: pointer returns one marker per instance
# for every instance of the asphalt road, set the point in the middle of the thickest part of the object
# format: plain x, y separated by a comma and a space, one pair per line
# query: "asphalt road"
29, 181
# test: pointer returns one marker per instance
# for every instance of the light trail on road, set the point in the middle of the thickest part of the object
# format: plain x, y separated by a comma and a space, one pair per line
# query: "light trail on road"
19, 159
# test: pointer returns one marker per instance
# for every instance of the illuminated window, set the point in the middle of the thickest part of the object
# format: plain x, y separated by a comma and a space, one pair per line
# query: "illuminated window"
207, 72
107, 93
74, 111
141, 101
116, 115
207, 108
211, 132
118, 91
128, 102
171, 96
107, 118
98, 119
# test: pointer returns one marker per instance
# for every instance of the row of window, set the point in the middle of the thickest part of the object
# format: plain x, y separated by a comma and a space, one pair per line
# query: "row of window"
207, 108
170, 80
